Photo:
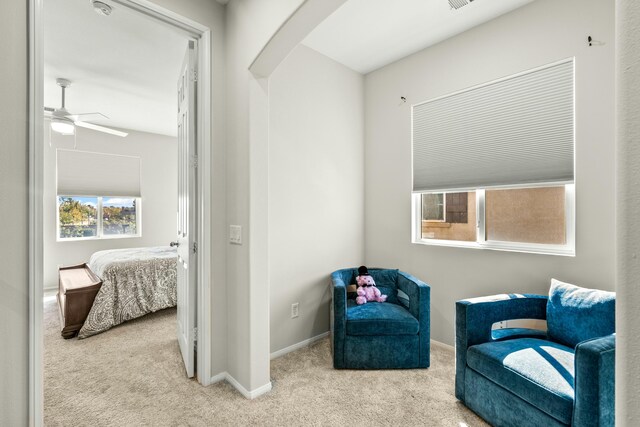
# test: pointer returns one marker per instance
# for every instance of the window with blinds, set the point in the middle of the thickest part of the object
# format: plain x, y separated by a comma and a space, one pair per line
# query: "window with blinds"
84, 173
501, 157
98, 195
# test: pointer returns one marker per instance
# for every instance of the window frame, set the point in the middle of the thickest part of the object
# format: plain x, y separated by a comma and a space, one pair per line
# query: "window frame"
99, 213
568, 249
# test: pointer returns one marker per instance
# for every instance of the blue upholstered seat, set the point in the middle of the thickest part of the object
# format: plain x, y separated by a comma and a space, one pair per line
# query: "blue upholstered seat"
519, 377
380, 319
389, 335
538, 371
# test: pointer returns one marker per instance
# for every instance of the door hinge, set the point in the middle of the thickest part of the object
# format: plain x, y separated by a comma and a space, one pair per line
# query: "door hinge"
195, 247
194, 75
195, 334
194, 161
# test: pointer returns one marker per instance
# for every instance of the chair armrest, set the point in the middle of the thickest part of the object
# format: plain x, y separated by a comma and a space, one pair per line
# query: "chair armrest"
339, 319
475, 316
419, 294
594, 402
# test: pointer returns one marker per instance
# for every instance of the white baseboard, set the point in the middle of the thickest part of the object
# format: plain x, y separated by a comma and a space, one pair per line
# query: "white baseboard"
443, 345
217, 378
243, 391
298, 346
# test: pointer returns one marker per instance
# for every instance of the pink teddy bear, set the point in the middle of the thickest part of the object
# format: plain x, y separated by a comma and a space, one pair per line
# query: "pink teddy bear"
367, 290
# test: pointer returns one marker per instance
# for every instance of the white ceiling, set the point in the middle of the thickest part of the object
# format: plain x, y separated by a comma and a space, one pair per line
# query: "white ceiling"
365, 35
125, 66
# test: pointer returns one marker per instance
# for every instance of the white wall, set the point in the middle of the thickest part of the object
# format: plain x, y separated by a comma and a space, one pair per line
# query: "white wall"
14, 259
628, 199
250, 24
159, 187
316, 188
539, 33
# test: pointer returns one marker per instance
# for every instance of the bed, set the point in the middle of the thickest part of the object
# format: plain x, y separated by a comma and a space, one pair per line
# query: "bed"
135, 282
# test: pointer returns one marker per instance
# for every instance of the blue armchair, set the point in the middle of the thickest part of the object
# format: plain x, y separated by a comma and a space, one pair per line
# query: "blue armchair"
393, 334
521, 377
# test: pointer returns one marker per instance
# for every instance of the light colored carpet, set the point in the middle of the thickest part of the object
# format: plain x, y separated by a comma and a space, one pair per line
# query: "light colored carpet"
132, 375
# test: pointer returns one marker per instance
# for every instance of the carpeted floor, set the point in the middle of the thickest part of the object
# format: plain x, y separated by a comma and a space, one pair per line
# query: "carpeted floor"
132, 375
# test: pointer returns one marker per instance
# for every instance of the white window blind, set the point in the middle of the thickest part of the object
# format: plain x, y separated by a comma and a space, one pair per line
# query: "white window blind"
517, 130
82, 173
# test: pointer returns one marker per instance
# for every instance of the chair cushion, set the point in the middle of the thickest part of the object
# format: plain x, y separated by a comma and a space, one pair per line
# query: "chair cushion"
387, 281
538, 371
376, 318
576, 314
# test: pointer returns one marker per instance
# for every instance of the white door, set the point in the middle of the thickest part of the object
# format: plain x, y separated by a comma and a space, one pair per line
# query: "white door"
187, 163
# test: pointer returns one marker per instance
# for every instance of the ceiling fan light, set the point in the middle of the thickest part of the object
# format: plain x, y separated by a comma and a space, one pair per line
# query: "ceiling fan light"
63, 127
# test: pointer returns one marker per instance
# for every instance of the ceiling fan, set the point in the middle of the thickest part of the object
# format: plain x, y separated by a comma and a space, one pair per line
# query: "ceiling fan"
65, 122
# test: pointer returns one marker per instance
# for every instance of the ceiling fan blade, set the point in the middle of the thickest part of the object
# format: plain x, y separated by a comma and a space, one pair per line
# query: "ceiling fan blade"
101, 129
76, 117
49, 109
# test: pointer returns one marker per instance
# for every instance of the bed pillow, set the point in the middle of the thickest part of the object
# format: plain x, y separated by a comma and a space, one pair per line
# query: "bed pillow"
575, 314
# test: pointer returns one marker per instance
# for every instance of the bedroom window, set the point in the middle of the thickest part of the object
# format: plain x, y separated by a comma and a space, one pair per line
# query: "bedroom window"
119, 216
493, 165
83, 218
99, 195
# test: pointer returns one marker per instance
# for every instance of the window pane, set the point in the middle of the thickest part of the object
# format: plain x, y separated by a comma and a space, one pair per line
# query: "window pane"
433, 207
119, 216
457, 207
78, 217
450, 216
528, 215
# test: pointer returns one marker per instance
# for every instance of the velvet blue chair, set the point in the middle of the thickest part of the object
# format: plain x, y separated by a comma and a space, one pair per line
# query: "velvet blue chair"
522, 377
389, 335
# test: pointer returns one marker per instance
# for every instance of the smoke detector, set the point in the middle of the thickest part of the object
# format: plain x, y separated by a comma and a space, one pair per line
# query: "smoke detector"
457, 4
101, 7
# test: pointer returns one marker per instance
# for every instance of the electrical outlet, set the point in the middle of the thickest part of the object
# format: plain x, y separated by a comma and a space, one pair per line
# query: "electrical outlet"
235, 234
294, 310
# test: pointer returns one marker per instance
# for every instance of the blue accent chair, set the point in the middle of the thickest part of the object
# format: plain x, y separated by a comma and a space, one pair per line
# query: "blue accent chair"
390, 335
522, 377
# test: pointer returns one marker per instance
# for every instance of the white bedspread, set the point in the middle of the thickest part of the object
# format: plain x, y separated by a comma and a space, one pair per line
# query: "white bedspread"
135, 282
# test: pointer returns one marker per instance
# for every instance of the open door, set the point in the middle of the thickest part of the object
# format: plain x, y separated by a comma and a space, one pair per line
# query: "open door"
187, 163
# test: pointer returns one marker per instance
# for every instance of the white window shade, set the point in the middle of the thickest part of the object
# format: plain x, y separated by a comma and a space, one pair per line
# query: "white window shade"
518, 130
82, 173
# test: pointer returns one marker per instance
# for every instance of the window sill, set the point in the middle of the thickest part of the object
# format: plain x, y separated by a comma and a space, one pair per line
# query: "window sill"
84, 239
503, 246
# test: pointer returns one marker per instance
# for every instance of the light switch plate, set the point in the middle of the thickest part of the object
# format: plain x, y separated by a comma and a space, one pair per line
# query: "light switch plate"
235, 234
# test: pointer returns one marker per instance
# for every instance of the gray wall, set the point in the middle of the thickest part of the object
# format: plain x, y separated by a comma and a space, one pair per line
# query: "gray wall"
316, 188
14, 289
539, 33
159, 188
250, 24
628, 199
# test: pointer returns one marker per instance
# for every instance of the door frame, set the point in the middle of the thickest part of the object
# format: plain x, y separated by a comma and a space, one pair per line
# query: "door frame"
200, 33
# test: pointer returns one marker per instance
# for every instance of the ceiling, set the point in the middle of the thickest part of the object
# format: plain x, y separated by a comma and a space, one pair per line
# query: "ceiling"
125, 65
365, 35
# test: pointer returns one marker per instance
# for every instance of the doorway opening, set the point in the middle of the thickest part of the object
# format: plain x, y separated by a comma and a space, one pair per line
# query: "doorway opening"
108, 183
